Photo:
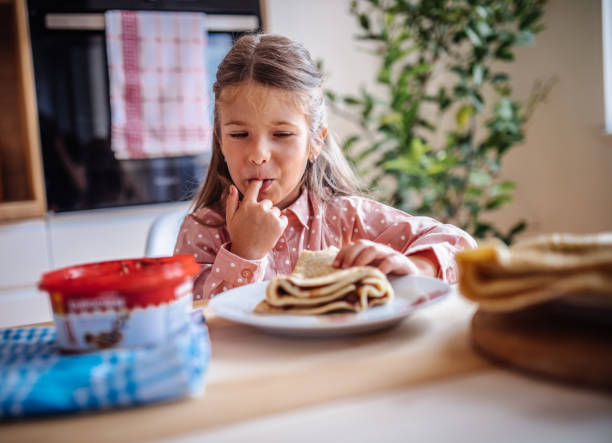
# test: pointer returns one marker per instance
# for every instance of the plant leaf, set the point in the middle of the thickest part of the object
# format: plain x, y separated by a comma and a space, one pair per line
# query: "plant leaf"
473, 36
479, 178
498, 201
463, 115
364, 21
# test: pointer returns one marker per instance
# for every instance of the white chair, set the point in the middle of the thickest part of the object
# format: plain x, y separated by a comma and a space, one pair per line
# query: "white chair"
163, 233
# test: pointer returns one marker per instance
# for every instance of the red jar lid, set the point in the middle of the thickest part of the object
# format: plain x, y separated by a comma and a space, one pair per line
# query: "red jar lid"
126, 276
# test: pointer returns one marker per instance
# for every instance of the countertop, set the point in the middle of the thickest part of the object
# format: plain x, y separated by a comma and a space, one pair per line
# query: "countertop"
420, 381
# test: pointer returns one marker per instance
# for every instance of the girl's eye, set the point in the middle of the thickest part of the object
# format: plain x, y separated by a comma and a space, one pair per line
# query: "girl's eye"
282, 134
239, 134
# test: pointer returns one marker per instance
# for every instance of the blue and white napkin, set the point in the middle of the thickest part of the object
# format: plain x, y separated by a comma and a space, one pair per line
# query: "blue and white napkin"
36, 379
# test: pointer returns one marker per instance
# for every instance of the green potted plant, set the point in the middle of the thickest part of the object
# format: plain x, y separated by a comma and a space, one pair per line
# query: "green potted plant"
442, 58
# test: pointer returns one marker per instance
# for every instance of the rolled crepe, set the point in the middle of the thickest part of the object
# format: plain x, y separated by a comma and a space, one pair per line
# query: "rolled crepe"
537, 270
316, 287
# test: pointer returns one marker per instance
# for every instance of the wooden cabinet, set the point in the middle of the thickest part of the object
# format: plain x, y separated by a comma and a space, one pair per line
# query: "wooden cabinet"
21, 176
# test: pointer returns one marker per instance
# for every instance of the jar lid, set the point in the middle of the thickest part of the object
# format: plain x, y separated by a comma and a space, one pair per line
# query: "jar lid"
125, 276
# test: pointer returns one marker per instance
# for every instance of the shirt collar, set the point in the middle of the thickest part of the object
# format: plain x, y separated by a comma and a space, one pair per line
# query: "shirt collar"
301, 207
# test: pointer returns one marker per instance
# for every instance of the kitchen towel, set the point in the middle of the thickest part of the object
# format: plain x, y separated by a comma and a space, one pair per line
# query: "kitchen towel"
158, 86
36, 379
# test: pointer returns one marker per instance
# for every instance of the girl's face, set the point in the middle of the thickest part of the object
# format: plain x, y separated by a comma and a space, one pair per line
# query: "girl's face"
264, 135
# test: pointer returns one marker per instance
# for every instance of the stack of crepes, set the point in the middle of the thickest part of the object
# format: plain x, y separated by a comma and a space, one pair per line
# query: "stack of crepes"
316, 287
544, 268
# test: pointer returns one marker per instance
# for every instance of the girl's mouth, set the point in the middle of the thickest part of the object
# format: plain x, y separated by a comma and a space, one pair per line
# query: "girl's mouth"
266, 183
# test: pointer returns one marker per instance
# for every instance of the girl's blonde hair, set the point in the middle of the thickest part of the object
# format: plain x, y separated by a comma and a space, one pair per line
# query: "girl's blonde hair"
279, 62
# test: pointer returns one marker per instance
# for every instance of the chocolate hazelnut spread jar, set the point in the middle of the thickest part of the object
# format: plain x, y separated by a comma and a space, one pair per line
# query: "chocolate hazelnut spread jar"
120, 303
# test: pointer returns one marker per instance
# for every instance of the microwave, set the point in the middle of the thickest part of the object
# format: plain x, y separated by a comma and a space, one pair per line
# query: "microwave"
72, 90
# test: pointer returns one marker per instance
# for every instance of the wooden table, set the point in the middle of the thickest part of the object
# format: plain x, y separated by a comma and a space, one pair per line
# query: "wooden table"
256, 378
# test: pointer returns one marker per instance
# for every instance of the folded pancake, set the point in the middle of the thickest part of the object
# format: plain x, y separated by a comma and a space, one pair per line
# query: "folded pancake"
537, 270
316, 287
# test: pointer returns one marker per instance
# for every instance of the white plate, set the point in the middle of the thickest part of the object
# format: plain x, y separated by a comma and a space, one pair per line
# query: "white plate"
411, 292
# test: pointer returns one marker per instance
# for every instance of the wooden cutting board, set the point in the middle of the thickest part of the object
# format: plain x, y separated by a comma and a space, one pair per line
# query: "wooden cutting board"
553, 340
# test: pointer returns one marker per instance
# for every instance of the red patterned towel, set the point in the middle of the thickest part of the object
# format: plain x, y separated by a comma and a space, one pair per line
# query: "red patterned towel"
157, 74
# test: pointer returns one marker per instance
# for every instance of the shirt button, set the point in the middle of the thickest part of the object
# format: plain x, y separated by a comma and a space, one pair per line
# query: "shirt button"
247, 273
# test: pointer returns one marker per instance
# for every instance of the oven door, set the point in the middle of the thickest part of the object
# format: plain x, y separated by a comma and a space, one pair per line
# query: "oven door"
72, 87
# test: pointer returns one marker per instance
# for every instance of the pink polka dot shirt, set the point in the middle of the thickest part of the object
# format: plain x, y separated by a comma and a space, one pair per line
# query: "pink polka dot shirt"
314, 227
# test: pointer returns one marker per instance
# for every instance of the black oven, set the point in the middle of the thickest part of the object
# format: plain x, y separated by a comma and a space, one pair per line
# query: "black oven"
72, 89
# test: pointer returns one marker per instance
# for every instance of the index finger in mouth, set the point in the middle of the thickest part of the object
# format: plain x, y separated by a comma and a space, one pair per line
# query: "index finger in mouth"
253, 190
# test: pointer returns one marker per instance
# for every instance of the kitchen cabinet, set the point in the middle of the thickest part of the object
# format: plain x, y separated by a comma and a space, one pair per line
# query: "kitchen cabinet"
21, 176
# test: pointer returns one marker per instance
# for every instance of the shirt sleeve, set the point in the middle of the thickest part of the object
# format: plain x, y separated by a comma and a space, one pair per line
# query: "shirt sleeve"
221, 269
410, 235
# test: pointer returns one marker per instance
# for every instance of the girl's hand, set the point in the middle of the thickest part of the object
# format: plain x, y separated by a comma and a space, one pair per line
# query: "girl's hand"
385, 258
253, 226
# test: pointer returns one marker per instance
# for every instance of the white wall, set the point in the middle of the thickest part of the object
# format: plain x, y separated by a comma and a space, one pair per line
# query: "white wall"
564, 169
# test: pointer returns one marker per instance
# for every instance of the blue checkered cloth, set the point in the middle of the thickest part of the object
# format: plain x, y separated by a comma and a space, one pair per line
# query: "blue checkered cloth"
36, 379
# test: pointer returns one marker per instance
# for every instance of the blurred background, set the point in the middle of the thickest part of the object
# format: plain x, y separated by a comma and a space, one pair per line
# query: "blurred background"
563, 169
96, 206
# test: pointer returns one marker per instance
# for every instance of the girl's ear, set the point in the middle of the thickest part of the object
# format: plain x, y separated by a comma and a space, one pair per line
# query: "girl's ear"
317, 144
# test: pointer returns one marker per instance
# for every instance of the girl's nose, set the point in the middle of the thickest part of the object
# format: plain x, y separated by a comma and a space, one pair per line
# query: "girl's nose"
259, 152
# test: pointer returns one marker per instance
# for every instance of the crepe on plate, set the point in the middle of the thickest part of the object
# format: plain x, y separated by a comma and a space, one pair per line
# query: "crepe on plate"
537, 270
316, 287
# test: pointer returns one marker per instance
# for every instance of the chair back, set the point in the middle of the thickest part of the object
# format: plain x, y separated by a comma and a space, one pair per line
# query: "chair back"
163, 233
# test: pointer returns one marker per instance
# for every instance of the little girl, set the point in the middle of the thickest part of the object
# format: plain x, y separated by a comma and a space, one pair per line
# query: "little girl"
278, 184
